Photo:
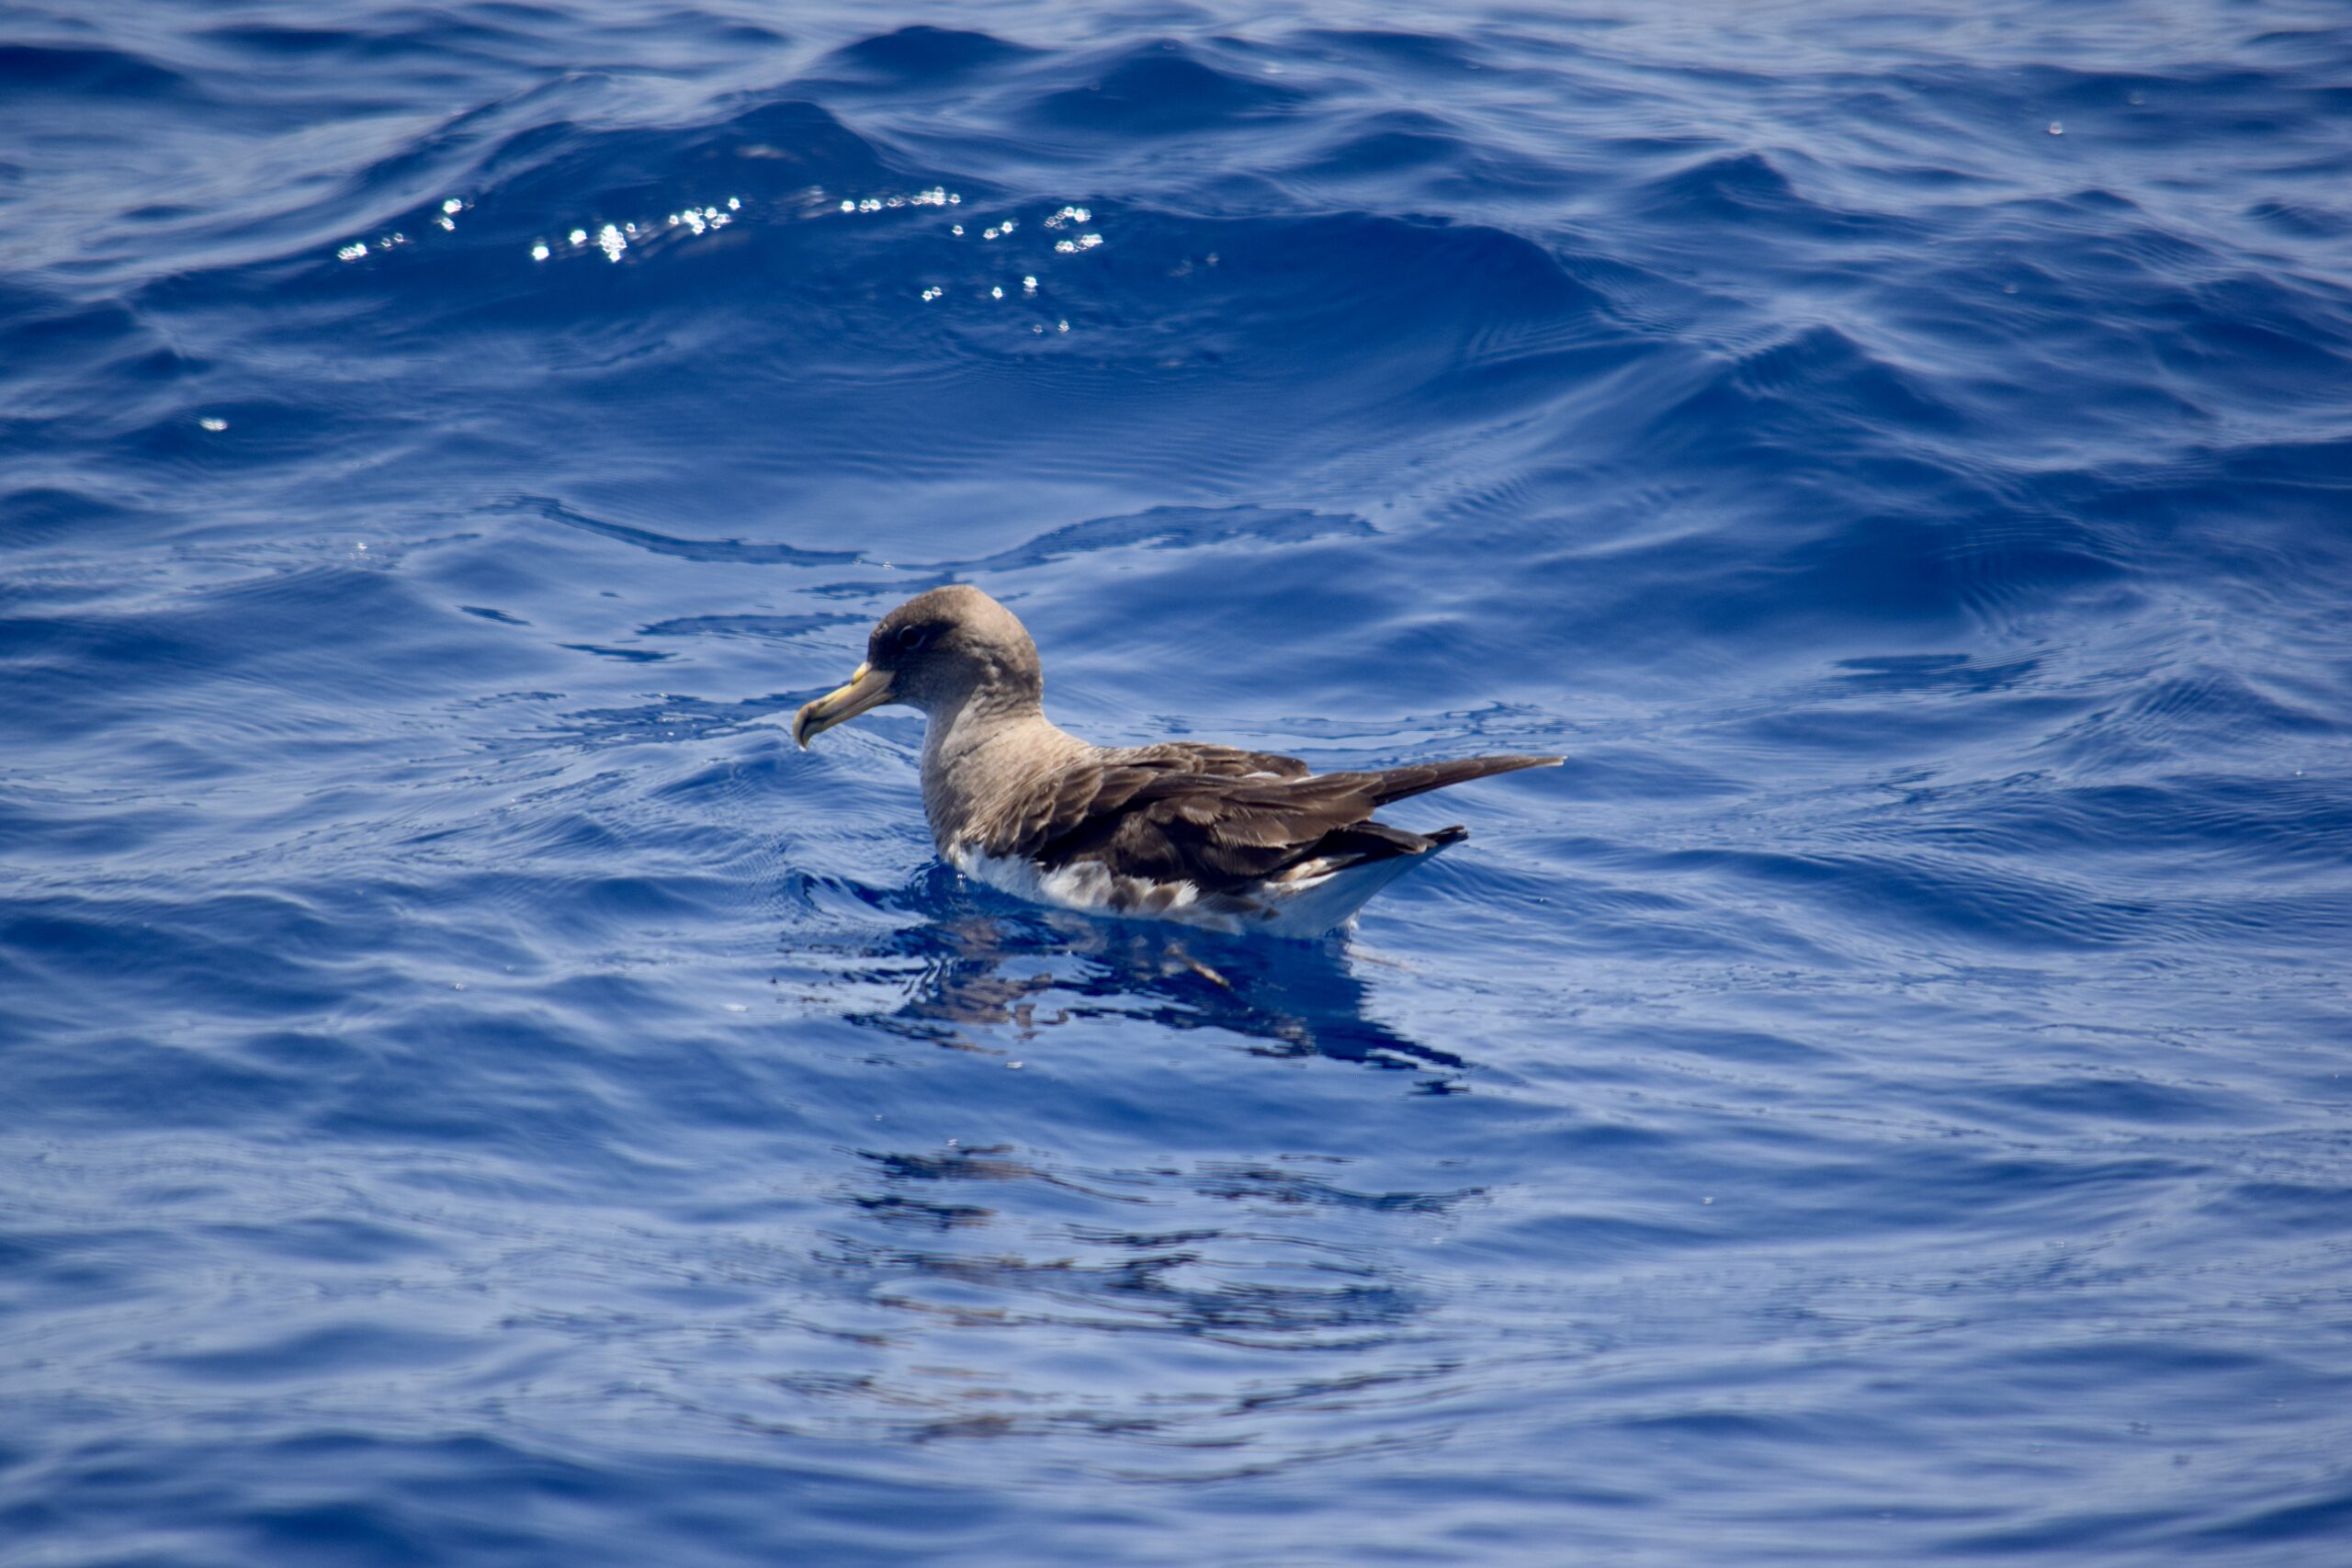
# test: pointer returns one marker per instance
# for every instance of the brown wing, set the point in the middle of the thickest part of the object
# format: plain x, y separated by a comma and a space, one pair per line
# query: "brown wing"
1164, 821
1218, 761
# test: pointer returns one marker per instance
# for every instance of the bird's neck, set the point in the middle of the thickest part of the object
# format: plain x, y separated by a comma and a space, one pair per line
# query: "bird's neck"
979, 747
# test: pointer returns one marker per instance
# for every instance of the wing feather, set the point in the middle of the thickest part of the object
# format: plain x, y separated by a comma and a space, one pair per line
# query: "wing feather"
1216, 762
1218, 817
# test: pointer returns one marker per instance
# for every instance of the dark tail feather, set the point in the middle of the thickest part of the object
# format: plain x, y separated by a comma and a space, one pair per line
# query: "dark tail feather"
1379, 840
1367, 841
1420, 778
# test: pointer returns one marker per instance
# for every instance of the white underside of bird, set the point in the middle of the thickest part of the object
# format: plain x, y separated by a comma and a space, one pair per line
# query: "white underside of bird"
1304, 905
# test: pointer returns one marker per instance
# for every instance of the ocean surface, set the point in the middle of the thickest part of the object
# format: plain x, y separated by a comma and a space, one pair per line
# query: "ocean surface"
473, 1093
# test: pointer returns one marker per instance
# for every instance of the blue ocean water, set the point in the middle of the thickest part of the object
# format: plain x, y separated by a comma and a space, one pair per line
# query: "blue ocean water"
470, 1092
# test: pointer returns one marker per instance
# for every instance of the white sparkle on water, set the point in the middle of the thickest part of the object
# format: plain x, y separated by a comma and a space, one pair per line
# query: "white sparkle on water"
213, 422
609, 241
539, 251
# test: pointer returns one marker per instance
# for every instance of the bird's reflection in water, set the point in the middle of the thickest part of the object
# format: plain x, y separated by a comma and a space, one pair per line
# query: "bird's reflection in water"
982, 963
1111, 1261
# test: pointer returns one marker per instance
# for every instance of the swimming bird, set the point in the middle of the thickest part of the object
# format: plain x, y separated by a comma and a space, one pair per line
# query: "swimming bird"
1213, 836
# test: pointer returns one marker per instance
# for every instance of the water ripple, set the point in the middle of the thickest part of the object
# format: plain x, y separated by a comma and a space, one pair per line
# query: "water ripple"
478, 1092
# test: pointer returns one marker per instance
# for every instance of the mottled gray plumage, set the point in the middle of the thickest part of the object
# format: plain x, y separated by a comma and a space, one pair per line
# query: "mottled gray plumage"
1214, 834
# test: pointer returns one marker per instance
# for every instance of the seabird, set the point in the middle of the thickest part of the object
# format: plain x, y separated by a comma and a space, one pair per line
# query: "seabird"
1213, 836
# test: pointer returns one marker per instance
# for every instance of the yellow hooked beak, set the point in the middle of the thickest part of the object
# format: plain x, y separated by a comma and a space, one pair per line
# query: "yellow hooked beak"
868, 688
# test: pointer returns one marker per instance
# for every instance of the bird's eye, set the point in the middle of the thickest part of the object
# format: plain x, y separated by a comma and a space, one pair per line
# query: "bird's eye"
912, 637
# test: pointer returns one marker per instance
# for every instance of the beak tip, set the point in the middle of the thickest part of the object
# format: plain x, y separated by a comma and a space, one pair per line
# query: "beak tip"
868, 688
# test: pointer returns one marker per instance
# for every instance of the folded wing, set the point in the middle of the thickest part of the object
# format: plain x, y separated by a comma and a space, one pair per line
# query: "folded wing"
1224, 819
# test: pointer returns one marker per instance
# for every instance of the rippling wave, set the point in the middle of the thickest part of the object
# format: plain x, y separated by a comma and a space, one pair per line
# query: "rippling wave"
475, 1092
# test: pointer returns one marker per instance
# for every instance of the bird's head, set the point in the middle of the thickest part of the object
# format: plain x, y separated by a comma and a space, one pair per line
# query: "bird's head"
937, 651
